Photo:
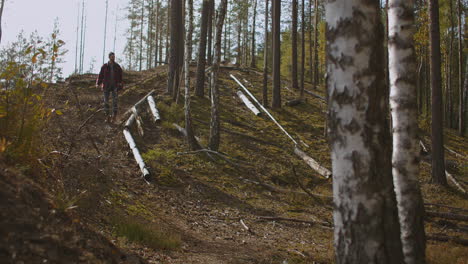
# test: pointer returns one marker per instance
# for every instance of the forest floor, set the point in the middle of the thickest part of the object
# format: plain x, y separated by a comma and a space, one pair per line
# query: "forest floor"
196, 209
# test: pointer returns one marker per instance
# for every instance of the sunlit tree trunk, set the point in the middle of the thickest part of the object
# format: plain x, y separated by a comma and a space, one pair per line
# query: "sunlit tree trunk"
214, 139
366, 224
294, 46
403, 102
265, 58
200, 85
253, 59
175, 60
303, 48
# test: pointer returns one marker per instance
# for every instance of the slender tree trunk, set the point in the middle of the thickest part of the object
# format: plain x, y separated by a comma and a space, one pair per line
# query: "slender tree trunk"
200, 85
265, 58
449, 109
168, 30
214, 139
191, 141
461, 116
156, 39
311, 61
190, 30
210, 33
253, 63
115, 26
177, 31
365, 216
294, 46
276, 18
149, 38
438, 161
303, 49
315, 56
239, 46
141, 34
77, 36
105, 33
403, 102
1, 14
82, 36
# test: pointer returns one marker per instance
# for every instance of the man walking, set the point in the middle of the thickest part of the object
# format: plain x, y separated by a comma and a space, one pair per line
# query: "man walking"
110, 81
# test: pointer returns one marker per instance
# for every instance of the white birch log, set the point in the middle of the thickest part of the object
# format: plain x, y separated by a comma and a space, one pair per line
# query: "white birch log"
247, 103
138, 120
263, 108
136, 153
129, 111
130, 121
312, 163
154, 110
183, 131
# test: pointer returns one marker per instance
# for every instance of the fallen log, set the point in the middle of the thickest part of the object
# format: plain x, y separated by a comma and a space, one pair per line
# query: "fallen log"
312, 163
276, 218
263, 108
451, 216
458, 155
138, 121
315, 95
444, 238
449, 176
136, 154
246, 227
130, 121
154, 110
294, 102
247, 103
129, 111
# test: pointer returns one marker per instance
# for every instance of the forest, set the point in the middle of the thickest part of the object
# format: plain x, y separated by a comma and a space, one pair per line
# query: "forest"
249, 131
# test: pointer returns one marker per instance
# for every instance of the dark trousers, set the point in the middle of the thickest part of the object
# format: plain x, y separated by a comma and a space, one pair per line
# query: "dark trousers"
107, 92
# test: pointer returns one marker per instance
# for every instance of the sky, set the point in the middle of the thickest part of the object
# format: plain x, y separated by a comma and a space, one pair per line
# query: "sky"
31, 15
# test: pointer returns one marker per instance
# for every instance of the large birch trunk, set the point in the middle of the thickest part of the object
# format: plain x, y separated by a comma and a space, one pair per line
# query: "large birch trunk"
365, 215
215, 122
403, 102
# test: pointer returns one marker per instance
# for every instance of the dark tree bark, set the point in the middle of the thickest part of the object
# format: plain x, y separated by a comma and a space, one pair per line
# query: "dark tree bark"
438, 161
190, 30
265, 58
214, 139
156, 35
276, 18
253, 59
168, 31
303, 49
461, 115
200, 84
176, 54
365, 216
315, 55
294, 46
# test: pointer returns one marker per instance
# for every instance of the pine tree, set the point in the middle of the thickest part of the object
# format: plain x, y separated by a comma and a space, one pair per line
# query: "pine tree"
276, 17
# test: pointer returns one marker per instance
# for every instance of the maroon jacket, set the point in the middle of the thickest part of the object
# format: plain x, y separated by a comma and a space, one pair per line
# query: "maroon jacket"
104, 76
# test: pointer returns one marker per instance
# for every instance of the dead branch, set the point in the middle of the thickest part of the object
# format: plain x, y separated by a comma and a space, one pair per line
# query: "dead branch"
446, 206
246, 227
444, 238
315, 95
314, 196
221, 155
458, 155
276, 218
451, 216
247, 103
313, 163
129, 111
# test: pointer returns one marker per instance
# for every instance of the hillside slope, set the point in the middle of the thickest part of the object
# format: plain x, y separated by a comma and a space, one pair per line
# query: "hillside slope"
198, 209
